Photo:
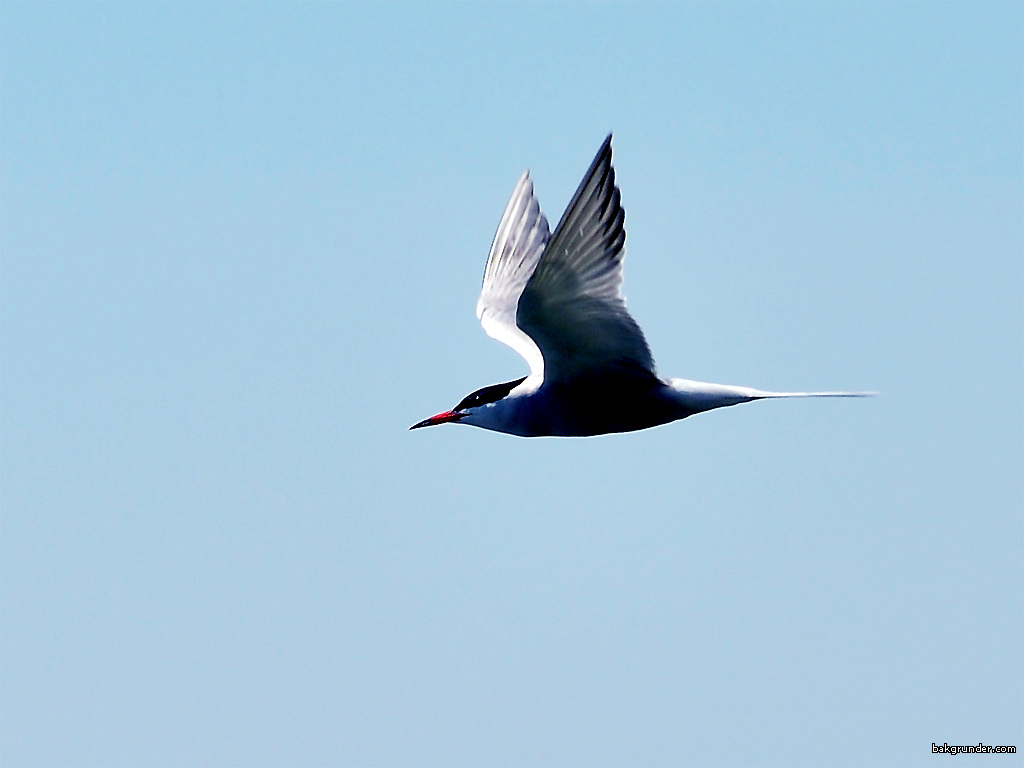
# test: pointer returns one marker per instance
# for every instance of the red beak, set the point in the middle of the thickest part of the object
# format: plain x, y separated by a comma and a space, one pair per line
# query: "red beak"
441, 418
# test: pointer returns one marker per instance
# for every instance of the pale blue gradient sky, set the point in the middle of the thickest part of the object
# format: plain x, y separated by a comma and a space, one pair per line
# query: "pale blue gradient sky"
241, 246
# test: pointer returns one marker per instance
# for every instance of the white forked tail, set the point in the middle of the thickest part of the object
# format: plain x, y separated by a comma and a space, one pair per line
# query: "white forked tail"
763, 395
697, 396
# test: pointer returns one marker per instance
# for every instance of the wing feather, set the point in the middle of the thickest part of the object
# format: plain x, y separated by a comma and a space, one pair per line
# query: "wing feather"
572, 306
517, 247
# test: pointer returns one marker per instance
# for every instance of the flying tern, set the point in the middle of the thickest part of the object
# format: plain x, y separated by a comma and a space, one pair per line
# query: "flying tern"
556, 300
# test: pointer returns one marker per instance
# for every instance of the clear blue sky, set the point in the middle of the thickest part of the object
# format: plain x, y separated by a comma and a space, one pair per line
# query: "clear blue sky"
241, 250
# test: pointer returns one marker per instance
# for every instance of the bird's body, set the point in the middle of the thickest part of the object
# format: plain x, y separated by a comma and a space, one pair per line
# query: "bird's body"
555, 299
615, 401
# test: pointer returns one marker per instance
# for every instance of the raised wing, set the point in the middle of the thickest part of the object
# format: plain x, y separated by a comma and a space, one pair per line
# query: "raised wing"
572, 307
517, 247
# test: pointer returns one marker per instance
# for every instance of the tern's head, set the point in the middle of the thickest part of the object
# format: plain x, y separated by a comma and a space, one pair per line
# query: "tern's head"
472, 405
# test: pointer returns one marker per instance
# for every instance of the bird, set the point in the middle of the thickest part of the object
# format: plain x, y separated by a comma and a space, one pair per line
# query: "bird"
556, 299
